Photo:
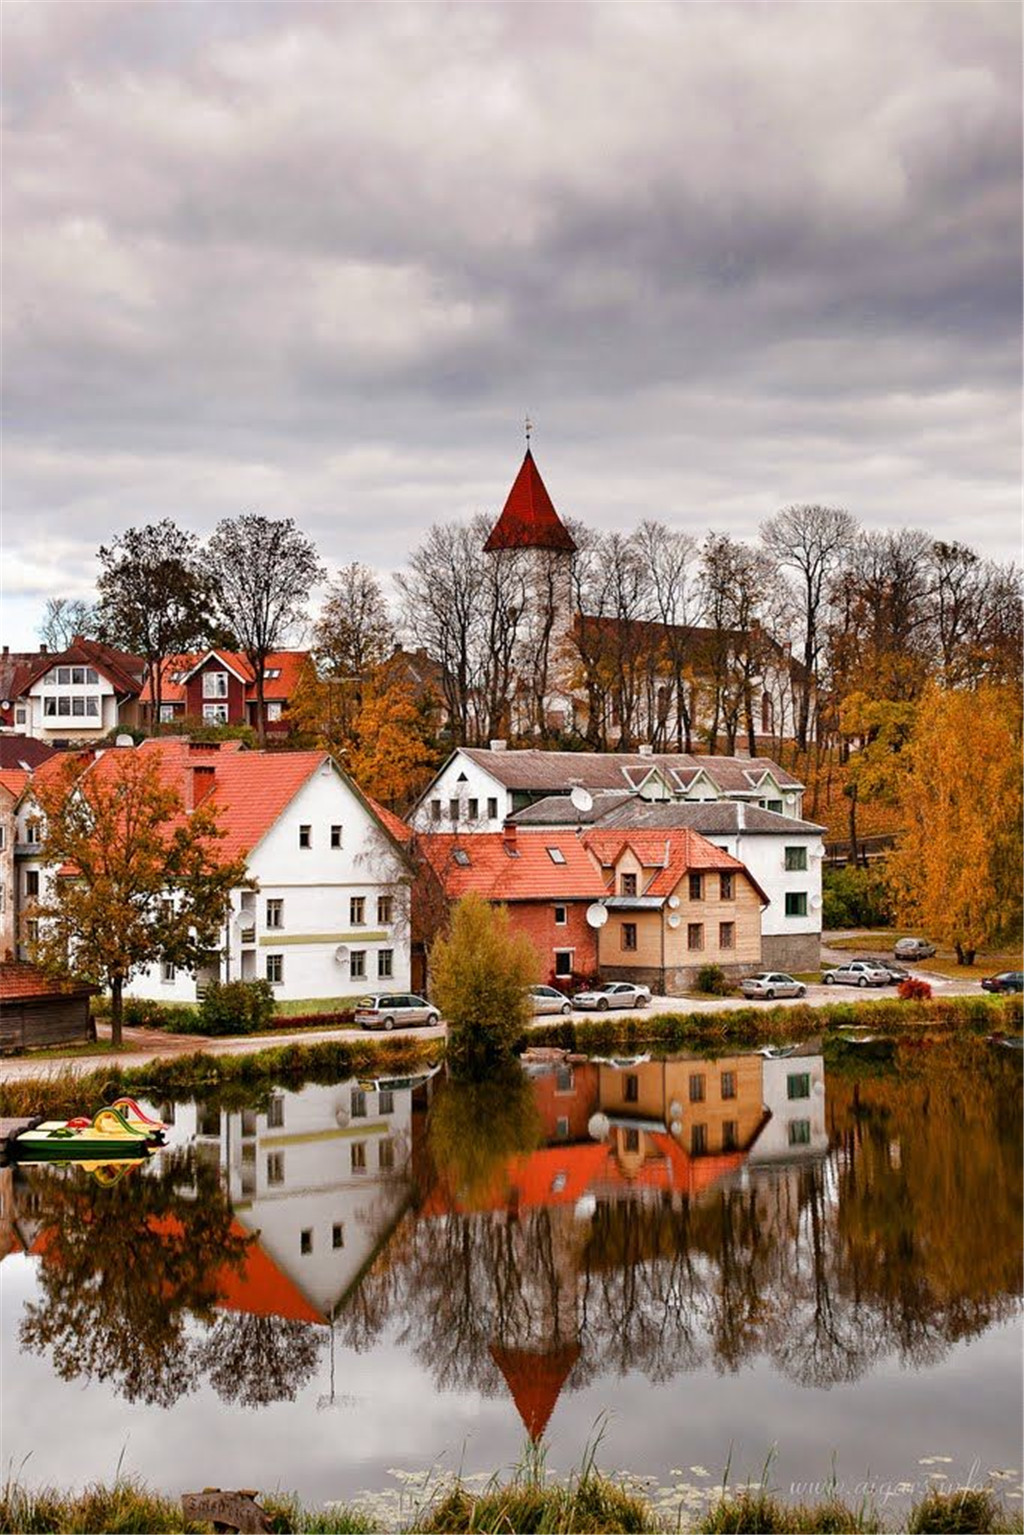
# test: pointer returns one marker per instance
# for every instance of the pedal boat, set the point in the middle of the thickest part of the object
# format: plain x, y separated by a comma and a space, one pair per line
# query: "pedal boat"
107, 1137
136, 1116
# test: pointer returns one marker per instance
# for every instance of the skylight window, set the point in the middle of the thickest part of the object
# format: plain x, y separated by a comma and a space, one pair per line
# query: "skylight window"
270, 672
556, 855
461, 857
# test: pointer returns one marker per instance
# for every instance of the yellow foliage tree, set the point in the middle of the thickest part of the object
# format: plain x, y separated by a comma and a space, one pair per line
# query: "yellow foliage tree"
957, 868
481, 969
392, 758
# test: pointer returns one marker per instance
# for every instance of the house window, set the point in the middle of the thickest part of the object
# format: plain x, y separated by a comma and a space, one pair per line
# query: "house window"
725, 887
727, 935
32, 831
21, 716
695, 935
556, 855
627, 884
358, 1102
275, 969
215, 684
473, 809
799, 1085
306, 1241
564, 1079
166, 713
274, 711
563, 963
385, 963
698, 1140
561, 916
275, 1167
435, 809
337, 1235
453, 810
359, 1156
335, 836
697, 1087
800, 1132
629, 936
215, 714
728, 1084
305, 836
3, 838
631, 1140
32, 882
796, 860
386, 1101
773, 804
492, 809
275, 913
729, 1134
357, 964
386, 1156
796, 903
631, 1088
385, 910
562, 1128
696, 887
167, 971
275, 1112
357, 911
32, 931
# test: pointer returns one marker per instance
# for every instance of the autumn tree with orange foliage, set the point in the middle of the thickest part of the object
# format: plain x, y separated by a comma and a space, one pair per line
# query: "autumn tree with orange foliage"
956, 871
392, 758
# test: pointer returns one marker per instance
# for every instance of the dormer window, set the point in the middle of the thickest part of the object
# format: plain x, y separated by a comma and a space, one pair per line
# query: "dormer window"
627, 884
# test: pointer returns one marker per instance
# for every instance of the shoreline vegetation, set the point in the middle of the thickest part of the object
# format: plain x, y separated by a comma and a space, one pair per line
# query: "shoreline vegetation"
589, 1502
60, 1091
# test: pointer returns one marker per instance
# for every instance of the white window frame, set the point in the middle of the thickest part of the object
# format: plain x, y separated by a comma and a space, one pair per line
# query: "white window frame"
215, 684
215, 714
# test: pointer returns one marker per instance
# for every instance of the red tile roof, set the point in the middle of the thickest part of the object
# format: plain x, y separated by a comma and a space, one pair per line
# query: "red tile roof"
18, 751
673, 853
535, 1381
22, 982
123, 670
290, 663
395, 825
14, 780
531, 875
528, 519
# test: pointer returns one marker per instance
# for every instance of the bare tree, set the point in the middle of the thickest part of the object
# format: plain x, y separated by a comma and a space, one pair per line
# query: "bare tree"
354, 631
441, 611
670, 558
813, 541
265, 569
63, 619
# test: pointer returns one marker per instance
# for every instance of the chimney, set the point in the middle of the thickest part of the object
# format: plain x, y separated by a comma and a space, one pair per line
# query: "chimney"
201, 779
498, 746
7, 650
42, 650
646, 749
510, 837
741, 815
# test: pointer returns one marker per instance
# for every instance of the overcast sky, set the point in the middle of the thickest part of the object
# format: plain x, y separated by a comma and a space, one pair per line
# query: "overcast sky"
319, 262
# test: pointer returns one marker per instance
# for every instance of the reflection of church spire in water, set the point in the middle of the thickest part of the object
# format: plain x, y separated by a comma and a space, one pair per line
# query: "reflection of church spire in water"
535, 1380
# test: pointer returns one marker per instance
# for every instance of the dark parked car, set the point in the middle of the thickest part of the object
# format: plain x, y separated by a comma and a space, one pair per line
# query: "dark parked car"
1006, 980
896, 973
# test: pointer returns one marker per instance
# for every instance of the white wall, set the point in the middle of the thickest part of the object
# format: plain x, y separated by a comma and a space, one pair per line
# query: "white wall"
764, 854
69, 727
773, 1144
478, 785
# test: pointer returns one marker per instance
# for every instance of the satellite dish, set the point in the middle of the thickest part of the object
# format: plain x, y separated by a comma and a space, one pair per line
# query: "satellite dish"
816, 902
6, 704
676, 1127
598, 1126
675, 1109
582, 799
585, 1207
341, 954
673, 901
341, 1116
597, 915
124, 741
790, 799
243, 923
675, 919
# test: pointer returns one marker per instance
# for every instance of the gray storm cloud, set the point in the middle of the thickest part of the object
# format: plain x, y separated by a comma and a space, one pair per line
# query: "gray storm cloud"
319, 261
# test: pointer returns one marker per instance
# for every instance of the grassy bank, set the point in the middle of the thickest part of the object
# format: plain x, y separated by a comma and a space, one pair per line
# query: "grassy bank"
589, 1503
755, 1026
61, 1093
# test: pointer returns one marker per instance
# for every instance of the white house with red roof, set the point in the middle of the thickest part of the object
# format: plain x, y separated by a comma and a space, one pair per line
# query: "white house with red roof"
76, 696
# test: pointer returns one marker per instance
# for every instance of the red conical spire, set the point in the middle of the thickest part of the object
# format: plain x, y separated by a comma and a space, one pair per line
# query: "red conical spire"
529, 519
535, 1381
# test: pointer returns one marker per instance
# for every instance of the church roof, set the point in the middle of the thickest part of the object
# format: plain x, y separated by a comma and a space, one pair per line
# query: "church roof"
535, 1380
528, 519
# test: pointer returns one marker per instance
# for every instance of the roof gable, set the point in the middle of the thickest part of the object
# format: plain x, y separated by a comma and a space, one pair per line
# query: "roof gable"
528, 519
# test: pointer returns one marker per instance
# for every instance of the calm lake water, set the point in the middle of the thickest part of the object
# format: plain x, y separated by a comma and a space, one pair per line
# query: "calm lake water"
726, 1259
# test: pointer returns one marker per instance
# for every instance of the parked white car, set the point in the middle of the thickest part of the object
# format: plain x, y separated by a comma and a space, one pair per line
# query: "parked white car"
613, 994
545, 999
397, 1009
913, 948
770, 984
859, 972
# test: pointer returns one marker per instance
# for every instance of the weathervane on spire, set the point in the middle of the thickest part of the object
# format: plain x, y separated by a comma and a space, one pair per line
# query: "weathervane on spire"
529, 428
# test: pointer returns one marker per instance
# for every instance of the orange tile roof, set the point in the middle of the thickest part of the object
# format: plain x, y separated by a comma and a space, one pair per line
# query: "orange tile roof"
261, 1288
395, 825
531, 875
290, 663
14, 780
672, 853
20, 981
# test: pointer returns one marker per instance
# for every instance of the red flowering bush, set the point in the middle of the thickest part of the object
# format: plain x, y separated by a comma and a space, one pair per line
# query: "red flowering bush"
913, 990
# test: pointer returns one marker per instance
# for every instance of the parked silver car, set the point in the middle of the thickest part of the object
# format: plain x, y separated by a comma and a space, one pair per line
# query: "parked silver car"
913, 948
771, 984
613, 994
384, 1010
545, 999
857, 973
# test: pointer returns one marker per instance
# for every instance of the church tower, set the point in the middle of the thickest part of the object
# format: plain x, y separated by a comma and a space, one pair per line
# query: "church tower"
530, 533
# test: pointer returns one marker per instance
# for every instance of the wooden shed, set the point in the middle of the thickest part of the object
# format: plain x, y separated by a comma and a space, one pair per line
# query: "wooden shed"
37, 1011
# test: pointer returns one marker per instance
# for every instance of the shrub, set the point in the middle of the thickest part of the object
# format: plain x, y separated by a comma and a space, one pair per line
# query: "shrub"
712, 981
914, 990
145, 1013
963, 1512
236, 1007
855, 897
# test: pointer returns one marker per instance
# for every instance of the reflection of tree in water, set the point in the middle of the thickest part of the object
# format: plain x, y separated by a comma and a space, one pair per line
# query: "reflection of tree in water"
255, 1360
127, 1268
902, 1241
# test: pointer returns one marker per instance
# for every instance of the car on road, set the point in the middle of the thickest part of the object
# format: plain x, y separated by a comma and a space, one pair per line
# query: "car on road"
770, 984
895, 972
1006, 980
613, 994
390, 1010
858, 972
545, 999
913, 948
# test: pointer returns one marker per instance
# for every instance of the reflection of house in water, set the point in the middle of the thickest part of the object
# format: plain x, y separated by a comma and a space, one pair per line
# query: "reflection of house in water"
319, 1177
793, 1087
